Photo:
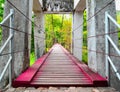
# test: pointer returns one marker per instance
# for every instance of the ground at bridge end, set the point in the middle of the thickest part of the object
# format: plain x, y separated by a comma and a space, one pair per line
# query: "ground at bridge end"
62, 89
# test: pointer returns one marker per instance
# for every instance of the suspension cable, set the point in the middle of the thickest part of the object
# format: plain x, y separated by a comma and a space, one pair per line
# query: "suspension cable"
19, 51
20, 31
100, 52
23, 14
99, 35
94, 15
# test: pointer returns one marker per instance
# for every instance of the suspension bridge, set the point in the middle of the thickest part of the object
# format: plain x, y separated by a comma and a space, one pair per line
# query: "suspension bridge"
58, 67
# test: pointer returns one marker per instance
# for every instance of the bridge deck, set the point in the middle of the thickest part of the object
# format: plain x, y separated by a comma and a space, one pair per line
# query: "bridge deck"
59, 68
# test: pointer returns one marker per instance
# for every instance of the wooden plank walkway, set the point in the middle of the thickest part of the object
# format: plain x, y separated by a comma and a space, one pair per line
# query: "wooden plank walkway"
59, 68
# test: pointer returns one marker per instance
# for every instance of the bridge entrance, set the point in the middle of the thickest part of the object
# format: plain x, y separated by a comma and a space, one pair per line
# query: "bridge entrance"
102, 38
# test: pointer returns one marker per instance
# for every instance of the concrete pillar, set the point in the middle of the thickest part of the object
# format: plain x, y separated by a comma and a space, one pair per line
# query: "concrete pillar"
96, 44
77, 34
92, 61
39, 34
21, 37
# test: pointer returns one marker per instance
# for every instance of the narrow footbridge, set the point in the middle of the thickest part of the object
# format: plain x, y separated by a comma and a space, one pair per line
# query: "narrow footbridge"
59, 68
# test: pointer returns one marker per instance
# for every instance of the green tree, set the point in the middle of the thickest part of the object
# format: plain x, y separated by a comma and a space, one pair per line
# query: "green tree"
58, 29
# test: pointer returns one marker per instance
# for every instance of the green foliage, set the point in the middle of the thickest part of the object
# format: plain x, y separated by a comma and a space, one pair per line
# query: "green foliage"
32, 52
1, 16
0, 35
84, 21
58, 30
85, 54
1, 9
118, 16
84, 50
32, 37
32, 58
118, 20
85, 38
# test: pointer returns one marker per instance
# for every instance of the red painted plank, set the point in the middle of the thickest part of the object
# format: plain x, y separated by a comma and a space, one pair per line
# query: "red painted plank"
97, 79
60, 68
26, 76
62, 65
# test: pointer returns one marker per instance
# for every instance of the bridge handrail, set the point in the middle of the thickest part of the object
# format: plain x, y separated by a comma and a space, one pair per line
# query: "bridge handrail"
108, 41
9, 40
